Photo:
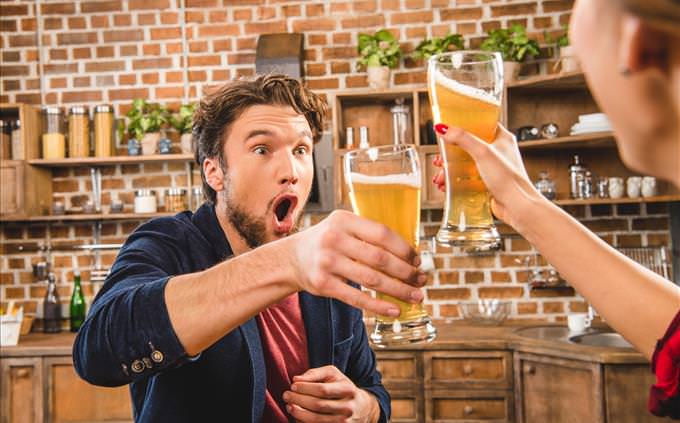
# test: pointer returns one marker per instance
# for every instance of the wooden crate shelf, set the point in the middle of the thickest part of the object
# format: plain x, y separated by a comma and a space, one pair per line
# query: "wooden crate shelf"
113, 160
88, 217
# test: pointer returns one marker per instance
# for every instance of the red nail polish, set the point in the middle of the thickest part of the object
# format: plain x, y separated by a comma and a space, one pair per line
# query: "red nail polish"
441, 128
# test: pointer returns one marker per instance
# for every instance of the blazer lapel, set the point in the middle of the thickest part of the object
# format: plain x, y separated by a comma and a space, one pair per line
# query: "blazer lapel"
252, 337
316, 313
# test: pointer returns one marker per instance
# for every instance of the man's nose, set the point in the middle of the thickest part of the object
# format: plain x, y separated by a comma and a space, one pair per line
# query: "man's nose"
288, 173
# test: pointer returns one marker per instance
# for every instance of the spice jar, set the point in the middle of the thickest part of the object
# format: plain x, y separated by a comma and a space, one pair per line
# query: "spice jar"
78, 132
145, 201
53, 140
5, 141
17, 145
103, 131
175, 200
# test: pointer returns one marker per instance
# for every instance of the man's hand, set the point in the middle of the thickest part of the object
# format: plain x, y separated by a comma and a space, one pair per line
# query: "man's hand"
346, 247
325, 394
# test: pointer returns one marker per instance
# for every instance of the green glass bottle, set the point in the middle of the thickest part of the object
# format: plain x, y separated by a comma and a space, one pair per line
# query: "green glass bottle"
77, 308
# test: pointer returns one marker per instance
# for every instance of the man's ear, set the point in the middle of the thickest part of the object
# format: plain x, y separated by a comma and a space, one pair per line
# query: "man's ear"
643, 47
213, 174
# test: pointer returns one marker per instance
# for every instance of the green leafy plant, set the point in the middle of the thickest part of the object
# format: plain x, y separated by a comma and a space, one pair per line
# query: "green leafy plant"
561, 41
379, 49
435, 45
513, 44
182, 121
144, 118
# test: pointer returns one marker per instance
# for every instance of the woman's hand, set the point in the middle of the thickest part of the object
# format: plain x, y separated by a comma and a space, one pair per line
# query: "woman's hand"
501, 168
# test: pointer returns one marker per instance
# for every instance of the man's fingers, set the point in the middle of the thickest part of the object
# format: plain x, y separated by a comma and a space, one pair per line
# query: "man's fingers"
306, 416
318, 405
379, 259
359, 299
319, 374
373, 279
381, 236
329, 390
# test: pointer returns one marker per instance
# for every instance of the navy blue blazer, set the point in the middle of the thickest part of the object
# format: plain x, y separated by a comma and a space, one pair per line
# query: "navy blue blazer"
127, 337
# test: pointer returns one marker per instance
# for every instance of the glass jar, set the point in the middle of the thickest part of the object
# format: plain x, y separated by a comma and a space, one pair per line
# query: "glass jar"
53, 139
546, 186
176, 200
196, 197
145, 201
78, 132
103, 131
5, 141
17, 145
401, 123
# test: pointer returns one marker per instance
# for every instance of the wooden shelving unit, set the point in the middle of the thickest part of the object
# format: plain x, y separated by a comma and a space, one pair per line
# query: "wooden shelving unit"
114, 160
622, 200
594, 140
87, 217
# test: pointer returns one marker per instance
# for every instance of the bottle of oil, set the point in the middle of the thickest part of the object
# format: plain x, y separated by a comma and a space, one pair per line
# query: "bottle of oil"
51, 307
77, 307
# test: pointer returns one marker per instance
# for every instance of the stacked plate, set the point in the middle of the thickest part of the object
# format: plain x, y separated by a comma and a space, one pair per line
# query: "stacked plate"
593, 122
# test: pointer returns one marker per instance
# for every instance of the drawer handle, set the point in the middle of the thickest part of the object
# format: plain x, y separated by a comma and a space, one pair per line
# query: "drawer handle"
467, 370
531, 369
23, 373
467, 410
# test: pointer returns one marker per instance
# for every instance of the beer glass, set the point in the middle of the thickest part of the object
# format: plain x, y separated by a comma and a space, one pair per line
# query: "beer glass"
384, 186
465, 89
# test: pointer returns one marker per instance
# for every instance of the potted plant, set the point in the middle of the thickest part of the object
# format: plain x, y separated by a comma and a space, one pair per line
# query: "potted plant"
378, 54
145, 121
514, 46
436, 45
182, 122
568, 58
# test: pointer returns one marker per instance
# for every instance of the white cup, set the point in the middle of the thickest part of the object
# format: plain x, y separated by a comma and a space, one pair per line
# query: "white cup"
615, 187
578, 322
648, 186
633, 185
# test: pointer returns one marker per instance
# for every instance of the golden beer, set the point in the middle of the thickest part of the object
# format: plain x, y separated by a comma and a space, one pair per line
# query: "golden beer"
468, 219
395, 202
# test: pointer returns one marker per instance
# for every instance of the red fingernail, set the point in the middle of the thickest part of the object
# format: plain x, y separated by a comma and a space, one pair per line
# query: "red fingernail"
441, 128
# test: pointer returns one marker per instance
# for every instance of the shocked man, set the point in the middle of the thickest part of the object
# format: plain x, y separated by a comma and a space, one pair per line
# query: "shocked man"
230, 313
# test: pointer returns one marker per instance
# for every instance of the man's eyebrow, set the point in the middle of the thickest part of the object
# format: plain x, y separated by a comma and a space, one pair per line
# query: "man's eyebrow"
258, 132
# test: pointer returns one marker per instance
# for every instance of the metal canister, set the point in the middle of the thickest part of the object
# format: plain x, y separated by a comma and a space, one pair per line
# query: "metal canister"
576, 172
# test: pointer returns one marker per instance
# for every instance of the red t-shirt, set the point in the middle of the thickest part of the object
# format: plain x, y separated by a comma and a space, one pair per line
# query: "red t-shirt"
284, 344
664, 397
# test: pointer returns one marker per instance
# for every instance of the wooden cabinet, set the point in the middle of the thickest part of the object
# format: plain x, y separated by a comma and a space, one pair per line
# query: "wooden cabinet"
48, 390
402, 374
26, 190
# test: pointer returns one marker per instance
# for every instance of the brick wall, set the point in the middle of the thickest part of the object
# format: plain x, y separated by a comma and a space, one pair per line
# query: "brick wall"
91, 52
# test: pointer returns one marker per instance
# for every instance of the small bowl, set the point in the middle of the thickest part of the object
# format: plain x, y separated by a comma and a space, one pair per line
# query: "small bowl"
485, 312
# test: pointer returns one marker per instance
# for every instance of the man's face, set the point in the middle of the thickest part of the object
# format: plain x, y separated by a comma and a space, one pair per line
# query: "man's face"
269, 172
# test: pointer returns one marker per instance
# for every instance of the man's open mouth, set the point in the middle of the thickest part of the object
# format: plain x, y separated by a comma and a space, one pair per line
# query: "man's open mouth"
284, 208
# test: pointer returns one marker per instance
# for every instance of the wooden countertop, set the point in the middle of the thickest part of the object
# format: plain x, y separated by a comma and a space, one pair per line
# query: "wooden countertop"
455, 335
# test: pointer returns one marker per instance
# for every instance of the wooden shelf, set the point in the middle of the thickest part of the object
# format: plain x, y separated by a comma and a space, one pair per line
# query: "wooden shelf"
593, 140
623, 200
558, 81
87, 217
114, 160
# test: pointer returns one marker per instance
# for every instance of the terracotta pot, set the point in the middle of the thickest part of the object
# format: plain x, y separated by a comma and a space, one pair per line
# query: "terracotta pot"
570, 62
511, 70
186, 143
150, 143
378, 77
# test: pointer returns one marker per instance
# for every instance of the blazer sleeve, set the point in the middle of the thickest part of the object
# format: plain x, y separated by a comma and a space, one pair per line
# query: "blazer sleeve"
362, 369
127, 334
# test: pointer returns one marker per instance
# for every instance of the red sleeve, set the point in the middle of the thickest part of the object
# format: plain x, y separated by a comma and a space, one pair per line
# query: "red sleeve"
664, 396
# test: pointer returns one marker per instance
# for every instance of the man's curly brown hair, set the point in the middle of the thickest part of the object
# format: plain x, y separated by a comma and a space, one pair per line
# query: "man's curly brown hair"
217, 111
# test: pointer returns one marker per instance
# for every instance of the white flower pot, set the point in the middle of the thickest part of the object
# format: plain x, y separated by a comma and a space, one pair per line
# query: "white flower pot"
150, 143
186, 143
511, 70
378, 77
569, 60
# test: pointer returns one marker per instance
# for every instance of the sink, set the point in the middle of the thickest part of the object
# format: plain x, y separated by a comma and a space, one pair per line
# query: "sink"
544, 332
601, 339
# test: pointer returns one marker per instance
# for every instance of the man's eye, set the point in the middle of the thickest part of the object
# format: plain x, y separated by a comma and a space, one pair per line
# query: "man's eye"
301, 150
260, 150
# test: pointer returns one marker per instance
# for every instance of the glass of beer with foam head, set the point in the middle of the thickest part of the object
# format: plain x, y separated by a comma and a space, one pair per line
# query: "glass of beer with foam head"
384, 186
465, 89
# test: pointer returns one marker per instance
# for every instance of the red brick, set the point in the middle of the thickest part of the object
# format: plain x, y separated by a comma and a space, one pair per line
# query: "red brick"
366, 6
418, 77
130, 79
81, 96
220, 75
105, 51
288, 11
500, 292
323, 84
80, 82
151, 49
222, 45
30, 99
316, 24
28, 24
173, 48
148, 4
195, 76
174, 76
194, 16
265, 27
146, 19
552, 307
123, 36
100, 6
356, 81
101, 21
150, 78
57, 8
411, 17
128, 94
514, 9
265, 13
220, 30
201, 3
58, 54
213, 60
165, 33
461, 14
169, 18
557, 5
198, 46
61, 68
362, 22
82, 53
8, 25
122, 20
650, 223
339, 8
527, 308
14, 10
151, 181
607, 225
315, 69
65, 186
157, 63
474, 277
438, 294
340, 67
243, 15
316, 39
11, 85
247, 43
630, 240
658, 240
77, 23
22, 41
169, 92
449, 310
342, 38
501, 277
339, 53
241, 59
105, 66
552, 292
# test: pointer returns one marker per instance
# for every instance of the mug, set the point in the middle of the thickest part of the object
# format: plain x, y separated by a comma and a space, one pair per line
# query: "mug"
578, 322
615, 187
633, 185
648, 186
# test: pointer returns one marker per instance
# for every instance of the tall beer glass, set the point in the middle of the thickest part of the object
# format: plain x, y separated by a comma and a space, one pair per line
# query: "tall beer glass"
465, 89
384, 186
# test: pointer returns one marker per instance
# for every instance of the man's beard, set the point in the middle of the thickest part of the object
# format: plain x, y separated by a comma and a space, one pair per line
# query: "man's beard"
252, 228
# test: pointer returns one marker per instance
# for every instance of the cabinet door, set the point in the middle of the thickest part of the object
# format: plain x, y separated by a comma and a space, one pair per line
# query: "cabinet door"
402, 376
555, 390
12, 179
70, 399
21, 390
478, 406
468, 369
626, 390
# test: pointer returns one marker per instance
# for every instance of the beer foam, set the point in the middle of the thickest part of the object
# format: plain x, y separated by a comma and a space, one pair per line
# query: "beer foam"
463, 89
411, 179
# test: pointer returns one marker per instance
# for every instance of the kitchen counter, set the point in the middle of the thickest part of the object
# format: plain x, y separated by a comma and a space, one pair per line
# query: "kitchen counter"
454, 335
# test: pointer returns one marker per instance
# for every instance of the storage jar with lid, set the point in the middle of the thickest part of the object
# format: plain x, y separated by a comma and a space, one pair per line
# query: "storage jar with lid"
145, 201
53, 139
175, 200
78, 132
103, 131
